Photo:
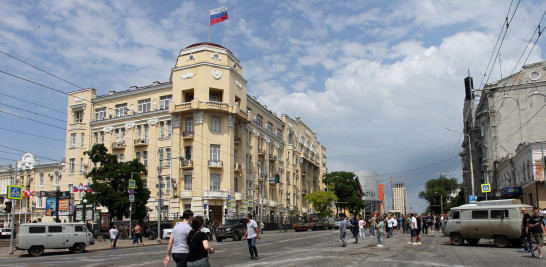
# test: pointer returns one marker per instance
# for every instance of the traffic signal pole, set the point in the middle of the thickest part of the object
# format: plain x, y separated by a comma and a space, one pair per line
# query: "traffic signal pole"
14, 204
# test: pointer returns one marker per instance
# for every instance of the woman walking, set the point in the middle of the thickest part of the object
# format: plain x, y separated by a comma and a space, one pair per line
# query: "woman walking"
198, 244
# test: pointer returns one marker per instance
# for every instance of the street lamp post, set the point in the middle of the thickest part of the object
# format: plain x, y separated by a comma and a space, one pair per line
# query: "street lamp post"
441, 203
470, 152
131, 211
84, 210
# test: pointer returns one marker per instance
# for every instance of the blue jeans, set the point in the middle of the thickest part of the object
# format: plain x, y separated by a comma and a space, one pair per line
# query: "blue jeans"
379, 238
372, 229
252, 247
181, 259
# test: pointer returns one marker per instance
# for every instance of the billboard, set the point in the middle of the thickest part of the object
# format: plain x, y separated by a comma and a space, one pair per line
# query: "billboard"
51, 207
64, 207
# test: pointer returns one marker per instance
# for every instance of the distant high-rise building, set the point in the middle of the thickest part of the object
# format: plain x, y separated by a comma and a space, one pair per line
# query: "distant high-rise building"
399, 198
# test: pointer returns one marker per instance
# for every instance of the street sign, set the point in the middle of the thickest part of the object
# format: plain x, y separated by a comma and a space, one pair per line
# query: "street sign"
132, 184
229, 197
486, 188
131, 198
543, 162
229, 204
15, 192
132, 191
250, 203
472, 198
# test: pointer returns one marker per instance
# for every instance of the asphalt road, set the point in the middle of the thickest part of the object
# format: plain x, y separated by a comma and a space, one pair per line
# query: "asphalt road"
319, 248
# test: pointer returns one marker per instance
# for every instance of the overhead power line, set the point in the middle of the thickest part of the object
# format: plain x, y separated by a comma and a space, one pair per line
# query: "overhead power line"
26, 101
15, 131
33, 112
19, 116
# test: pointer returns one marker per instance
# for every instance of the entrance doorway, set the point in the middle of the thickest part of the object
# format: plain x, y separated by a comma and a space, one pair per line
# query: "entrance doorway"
215, 214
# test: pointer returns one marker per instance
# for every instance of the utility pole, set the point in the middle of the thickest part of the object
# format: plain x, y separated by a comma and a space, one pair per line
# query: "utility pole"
14, 201
159, 178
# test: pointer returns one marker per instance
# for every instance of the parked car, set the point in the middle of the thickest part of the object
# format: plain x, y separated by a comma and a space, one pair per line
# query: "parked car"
5, 233
35, 237
235, 228
151, 231
329, 223
487, 220
167, 233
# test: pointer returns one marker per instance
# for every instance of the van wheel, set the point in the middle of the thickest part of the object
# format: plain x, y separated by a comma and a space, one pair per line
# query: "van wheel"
472, 241
236, 236
36, 251
501, 241
457, 239
78, 248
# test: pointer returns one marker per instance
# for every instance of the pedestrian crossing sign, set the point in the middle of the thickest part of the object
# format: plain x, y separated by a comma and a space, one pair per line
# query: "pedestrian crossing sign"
250, 203
15, 192
132, 184
486, 188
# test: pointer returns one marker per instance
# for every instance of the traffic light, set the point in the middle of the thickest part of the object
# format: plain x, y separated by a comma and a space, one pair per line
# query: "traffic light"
277, 178
8, 207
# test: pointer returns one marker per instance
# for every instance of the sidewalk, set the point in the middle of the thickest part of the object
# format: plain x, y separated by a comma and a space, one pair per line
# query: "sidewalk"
100, 244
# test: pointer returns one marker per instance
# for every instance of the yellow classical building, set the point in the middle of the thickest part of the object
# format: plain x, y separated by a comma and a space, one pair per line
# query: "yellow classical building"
217, 150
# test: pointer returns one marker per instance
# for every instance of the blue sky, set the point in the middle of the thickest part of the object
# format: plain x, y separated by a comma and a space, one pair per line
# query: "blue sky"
378, 80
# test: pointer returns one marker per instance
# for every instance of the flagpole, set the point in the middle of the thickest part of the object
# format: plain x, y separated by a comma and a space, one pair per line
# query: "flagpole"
209, 23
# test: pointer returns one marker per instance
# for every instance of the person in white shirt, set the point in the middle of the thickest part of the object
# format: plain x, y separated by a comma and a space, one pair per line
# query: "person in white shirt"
113, 236
252, 232
413, 227
178, 243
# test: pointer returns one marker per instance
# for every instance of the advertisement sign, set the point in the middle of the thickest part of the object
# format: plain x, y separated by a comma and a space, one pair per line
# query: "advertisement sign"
51, 207
104, 222
64, 207
369, 183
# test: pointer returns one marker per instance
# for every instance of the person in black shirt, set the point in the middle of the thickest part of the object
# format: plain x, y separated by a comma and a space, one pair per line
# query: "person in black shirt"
535, 226
525, 234
198, 244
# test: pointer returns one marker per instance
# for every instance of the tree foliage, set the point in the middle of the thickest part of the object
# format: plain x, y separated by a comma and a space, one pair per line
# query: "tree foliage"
111, 184
344, 186
322, 202
437, 193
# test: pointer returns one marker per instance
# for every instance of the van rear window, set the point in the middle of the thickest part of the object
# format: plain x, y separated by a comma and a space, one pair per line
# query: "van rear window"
479, 214
36, 229
499, 214
55, 229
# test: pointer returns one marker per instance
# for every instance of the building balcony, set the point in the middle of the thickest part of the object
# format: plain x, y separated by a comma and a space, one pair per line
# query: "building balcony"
186, 164
215, 194
261, 153
140, 142
304, 191
186, 193
118, 145
237, 139
187, 135
237, 167
273, 203
272, 157
215, 164
292, 208
271, 181
238, 196
303, 172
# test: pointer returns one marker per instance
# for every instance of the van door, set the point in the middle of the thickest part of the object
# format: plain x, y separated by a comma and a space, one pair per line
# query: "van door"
502, 224
80, 234
475, 224
36, 235
453, 223
55, 236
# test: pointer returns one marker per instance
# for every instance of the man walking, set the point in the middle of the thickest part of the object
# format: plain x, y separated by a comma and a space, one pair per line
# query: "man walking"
413, 230
354, 228
342, 231
252, 232
535, 226
380, 228
137, 235
525, 233
113, 236
178, 243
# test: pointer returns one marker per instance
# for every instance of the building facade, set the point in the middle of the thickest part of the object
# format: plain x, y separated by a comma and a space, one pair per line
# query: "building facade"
40, 178
218, 150
497, 119
399, 198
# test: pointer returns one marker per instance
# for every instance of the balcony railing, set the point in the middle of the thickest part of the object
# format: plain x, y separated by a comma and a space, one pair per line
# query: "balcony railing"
141, 142
272, 203
291, 208
186, 163
303, 172
215, 163
187, 135
186, 193
118, 145
238, 196
261, 152
272, 157
237, 139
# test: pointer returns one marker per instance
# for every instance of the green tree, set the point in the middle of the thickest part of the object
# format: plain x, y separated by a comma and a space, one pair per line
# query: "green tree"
345, 188
322, 202
437, 192
111, 184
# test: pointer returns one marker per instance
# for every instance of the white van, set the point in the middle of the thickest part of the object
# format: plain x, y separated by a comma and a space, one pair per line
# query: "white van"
493, 220
35, 237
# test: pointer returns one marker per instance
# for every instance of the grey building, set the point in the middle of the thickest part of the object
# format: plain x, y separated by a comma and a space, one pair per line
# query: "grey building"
497, 119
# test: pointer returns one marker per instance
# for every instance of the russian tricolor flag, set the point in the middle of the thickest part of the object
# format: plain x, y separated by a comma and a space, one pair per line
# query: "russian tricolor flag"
218, 15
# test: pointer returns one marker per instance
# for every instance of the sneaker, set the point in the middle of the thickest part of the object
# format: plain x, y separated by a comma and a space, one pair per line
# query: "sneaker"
380, 246
409, 243
414, 244
533, 254
418, 243
524, 251
540, 256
